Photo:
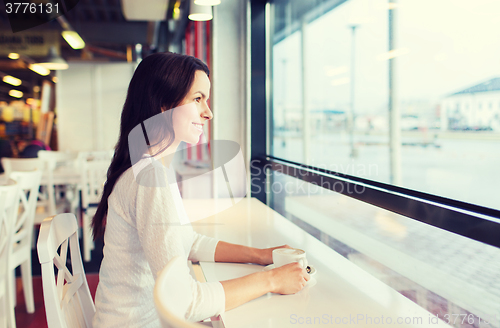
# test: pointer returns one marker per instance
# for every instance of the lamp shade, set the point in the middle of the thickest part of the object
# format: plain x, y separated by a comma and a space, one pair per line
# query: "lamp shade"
207, 2
53, 61
14, 55
199, 13
12, 80
15, 93
39, 69
74, 39
144, 10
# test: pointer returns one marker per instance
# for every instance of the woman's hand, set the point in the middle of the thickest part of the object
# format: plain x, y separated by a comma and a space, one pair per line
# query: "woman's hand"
288, 279
265, 255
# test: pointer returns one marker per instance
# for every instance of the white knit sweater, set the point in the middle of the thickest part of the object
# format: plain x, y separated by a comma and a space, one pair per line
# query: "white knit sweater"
145, 228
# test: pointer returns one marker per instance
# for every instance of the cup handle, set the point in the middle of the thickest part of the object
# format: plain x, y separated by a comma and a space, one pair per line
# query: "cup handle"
303, 262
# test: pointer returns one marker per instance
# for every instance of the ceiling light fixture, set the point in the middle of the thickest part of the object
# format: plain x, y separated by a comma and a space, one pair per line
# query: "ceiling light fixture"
12, 80
39, 69
199, 13
14, 55
73, 39
207, 2
144, 10
70, 35
16, 93
54, 61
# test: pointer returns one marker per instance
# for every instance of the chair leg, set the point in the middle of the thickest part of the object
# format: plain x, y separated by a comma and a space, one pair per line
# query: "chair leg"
11, 284
3, 309
28, 286
10, 305
52, 199
12, 318
87, 240
75, 204
72, 195
11, 321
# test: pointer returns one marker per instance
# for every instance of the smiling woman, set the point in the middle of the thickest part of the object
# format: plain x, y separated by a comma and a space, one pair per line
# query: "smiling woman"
195, 111
141, 214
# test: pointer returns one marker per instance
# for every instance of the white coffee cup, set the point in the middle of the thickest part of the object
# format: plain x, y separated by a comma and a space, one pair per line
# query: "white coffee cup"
282, 256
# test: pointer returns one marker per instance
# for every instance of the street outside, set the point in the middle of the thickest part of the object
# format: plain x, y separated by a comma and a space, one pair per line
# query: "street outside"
459, 165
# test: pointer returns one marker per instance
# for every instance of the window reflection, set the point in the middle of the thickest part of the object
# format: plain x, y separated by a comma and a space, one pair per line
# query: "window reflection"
331, 96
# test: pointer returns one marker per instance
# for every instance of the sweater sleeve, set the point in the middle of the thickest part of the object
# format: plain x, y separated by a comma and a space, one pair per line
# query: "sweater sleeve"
160, 234
203, 248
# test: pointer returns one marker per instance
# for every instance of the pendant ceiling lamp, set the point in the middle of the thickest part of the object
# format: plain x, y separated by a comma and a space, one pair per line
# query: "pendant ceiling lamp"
144, 10
199, 13
54, 61
207, 2
74, 39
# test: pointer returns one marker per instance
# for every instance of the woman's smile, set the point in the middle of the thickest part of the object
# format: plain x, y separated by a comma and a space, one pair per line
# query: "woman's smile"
198, 126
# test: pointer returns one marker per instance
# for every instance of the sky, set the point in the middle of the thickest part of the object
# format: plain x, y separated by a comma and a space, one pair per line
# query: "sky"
446, 46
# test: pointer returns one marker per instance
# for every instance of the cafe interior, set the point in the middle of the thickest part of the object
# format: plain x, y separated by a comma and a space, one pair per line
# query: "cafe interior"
364, 134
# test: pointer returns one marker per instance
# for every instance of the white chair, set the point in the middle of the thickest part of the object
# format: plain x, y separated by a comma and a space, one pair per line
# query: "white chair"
94, 167
58, 160
67, 300
29, 183
8, 210
97, 154
172, 295
21, 164
29, 164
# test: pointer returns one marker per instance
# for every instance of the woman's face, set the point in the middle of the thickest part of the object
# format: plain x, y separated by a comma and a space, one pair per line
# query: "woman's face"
193, 112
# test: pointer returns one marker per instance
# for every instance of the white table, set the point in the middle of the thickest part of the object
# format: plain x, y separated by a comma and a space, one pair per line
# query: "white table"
437, 260
64, 175
341, 294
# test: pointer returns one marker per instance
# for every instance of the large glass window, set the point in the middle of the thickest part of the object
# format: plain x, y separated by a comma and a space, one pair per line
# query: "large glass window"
453, 277
332, 65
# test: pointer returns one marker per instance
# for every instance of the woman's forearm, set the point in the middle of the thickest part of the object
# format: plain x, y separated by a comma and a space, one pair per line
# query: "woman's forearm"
247, 288
227, 252
241, 290
287, 279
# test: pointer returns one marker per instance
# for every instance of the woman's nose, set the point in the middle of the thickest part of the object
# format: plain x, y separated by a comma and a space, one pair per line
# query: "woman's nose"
207, 113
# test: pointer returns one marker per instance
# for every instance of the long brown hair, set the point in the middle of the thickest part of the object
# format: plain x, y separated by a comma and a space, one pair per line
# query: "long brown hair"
160, 81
